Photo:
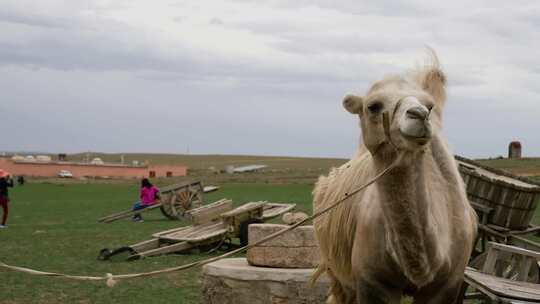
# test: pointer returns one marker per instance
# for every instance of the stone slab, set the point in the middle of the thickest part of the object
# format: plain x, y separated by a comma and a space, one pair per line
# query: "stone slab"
233, 280
284, 257
303, 236
294, 249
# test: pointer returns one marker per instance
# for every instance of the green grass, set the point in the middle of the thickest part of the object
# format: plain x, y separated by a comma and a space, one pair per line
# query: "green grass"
53, 228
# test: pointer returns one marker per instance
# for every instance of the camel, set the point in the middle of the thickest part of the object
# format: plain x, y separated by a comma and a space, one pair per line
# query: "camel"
412, 231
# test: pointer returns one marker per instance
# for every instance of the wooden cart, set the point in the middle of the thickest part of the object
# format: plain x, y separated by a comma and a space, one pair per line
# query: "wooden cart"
175, 201
505, 205
213, 225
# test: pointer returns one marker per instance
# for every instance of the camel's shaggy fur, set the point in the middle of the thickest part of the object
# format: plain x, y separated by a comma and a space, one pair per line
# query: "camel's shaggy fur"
413, 230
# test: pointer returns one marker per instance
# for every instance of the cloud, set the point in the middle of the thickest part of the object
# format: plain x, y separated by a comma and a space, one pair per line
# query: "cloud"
219, 74
216, 21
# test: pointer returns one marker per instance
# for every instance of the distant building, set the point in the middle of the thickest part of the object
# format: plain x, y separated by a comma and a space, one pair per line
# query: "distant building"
43, 158
250, 168
514, 149
31, 167
97, 161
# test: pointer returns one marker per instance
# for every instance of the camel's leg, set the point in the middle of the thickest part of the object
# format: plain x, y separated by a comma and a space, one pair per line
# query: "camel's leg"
439, 294
373, 293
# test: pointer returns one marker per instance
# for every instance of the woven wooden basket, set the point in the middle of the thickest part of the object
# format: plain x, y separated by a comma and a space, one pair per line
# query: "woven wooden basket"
513, 199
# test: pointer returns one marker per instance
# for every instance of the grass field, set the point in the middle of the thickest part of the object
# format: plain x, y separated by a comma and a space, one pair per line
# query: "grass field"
52, 227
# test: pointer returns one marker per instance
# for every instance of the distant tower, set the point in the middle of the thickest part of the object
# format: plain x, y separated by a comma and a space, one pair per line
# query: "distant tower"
514, 149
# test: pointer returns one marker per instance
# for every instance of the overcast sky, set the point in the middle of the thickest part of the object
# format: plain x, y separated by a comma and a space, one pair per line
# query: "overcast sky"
256, 77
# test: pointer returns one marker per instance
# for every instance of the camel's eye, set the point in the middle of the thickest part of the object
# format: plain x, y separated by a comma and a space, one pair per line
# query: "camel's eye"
375, 107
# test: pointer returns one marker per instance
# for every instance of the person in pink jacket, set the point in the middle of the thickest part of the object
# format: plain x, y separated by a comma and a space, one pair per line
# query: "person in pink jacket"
149, 195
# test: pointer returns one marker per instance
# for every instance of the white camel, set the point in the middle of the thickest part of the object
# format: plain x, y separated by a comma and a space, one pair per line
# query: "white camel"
412, 231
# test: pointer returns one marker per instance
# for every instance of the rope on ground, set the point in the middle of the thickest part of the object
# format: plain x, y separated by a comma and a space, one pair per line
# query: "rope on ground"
111, 279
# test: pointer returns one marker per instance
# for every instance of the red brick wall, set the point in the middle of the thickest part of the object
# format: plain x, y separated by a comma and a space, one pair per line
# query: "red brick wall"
79, 169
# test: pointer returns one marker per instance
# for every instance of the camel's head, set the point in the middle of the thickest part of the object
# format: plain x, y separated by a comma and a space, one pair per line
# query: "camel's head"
402, 112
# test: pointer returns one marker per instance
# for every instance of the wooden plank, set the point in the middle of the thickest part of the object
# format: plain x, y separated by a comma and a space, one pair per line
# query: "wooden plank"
208, 189
272, 210
174, 187
246, 208
523, 243
489, 230
468, 279
524, 268
514, 249
491, 259
102, 219
127, 213
211, 212
503, 287
480, 208
146, 245
530, 230
196, 233
158, 234
178, 247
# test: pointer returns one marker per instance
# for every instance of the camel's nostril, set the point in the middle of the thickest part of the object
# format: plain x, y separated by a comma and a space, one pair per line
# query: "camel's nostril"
417, 113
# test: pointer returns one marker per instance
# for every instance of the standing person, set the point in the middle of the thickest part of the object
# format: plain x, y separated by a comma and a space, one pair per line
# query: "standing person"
149, 195
5, 182
20, 180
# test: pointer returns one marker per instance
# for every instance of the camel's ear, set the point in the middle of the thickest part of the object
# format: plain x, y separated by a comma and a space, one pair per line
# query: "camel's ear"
434, 82
432, 79
352, 103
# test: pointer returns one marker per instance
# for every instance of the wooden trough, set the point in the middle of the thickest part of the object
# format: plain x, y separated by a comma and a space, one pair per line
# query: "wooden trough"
505, 205
213, 224
513, 200
175, 201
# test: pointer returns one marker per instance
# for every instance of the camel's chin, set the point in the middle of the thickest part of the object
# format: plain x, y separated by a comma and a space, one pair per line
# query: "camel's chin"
421, 140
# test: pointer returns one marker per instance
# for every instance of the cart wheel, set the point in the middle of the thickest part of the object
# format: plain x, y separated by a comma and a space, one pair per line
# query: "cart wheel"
506, 268
184, 200
244, 232
121, 254
104, 254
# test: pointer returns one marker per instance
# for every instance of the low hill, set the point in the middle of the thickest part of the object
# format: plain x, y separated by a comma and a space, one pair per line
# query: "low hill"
281, 168
529, 166
203, 162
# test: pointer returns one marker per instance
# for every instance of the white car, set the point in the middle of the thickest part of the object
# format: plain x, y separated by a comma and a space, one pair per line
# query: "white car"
65, 174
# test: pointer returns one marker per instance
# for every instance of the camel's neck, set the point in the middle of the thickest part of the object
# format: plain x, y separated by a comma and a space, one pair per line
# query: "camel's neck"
404, 193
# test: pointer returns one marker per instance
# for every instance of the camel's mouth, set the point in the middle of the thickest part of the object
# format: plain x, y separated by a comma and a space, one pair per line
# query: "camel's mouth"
420, 140
416, 130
